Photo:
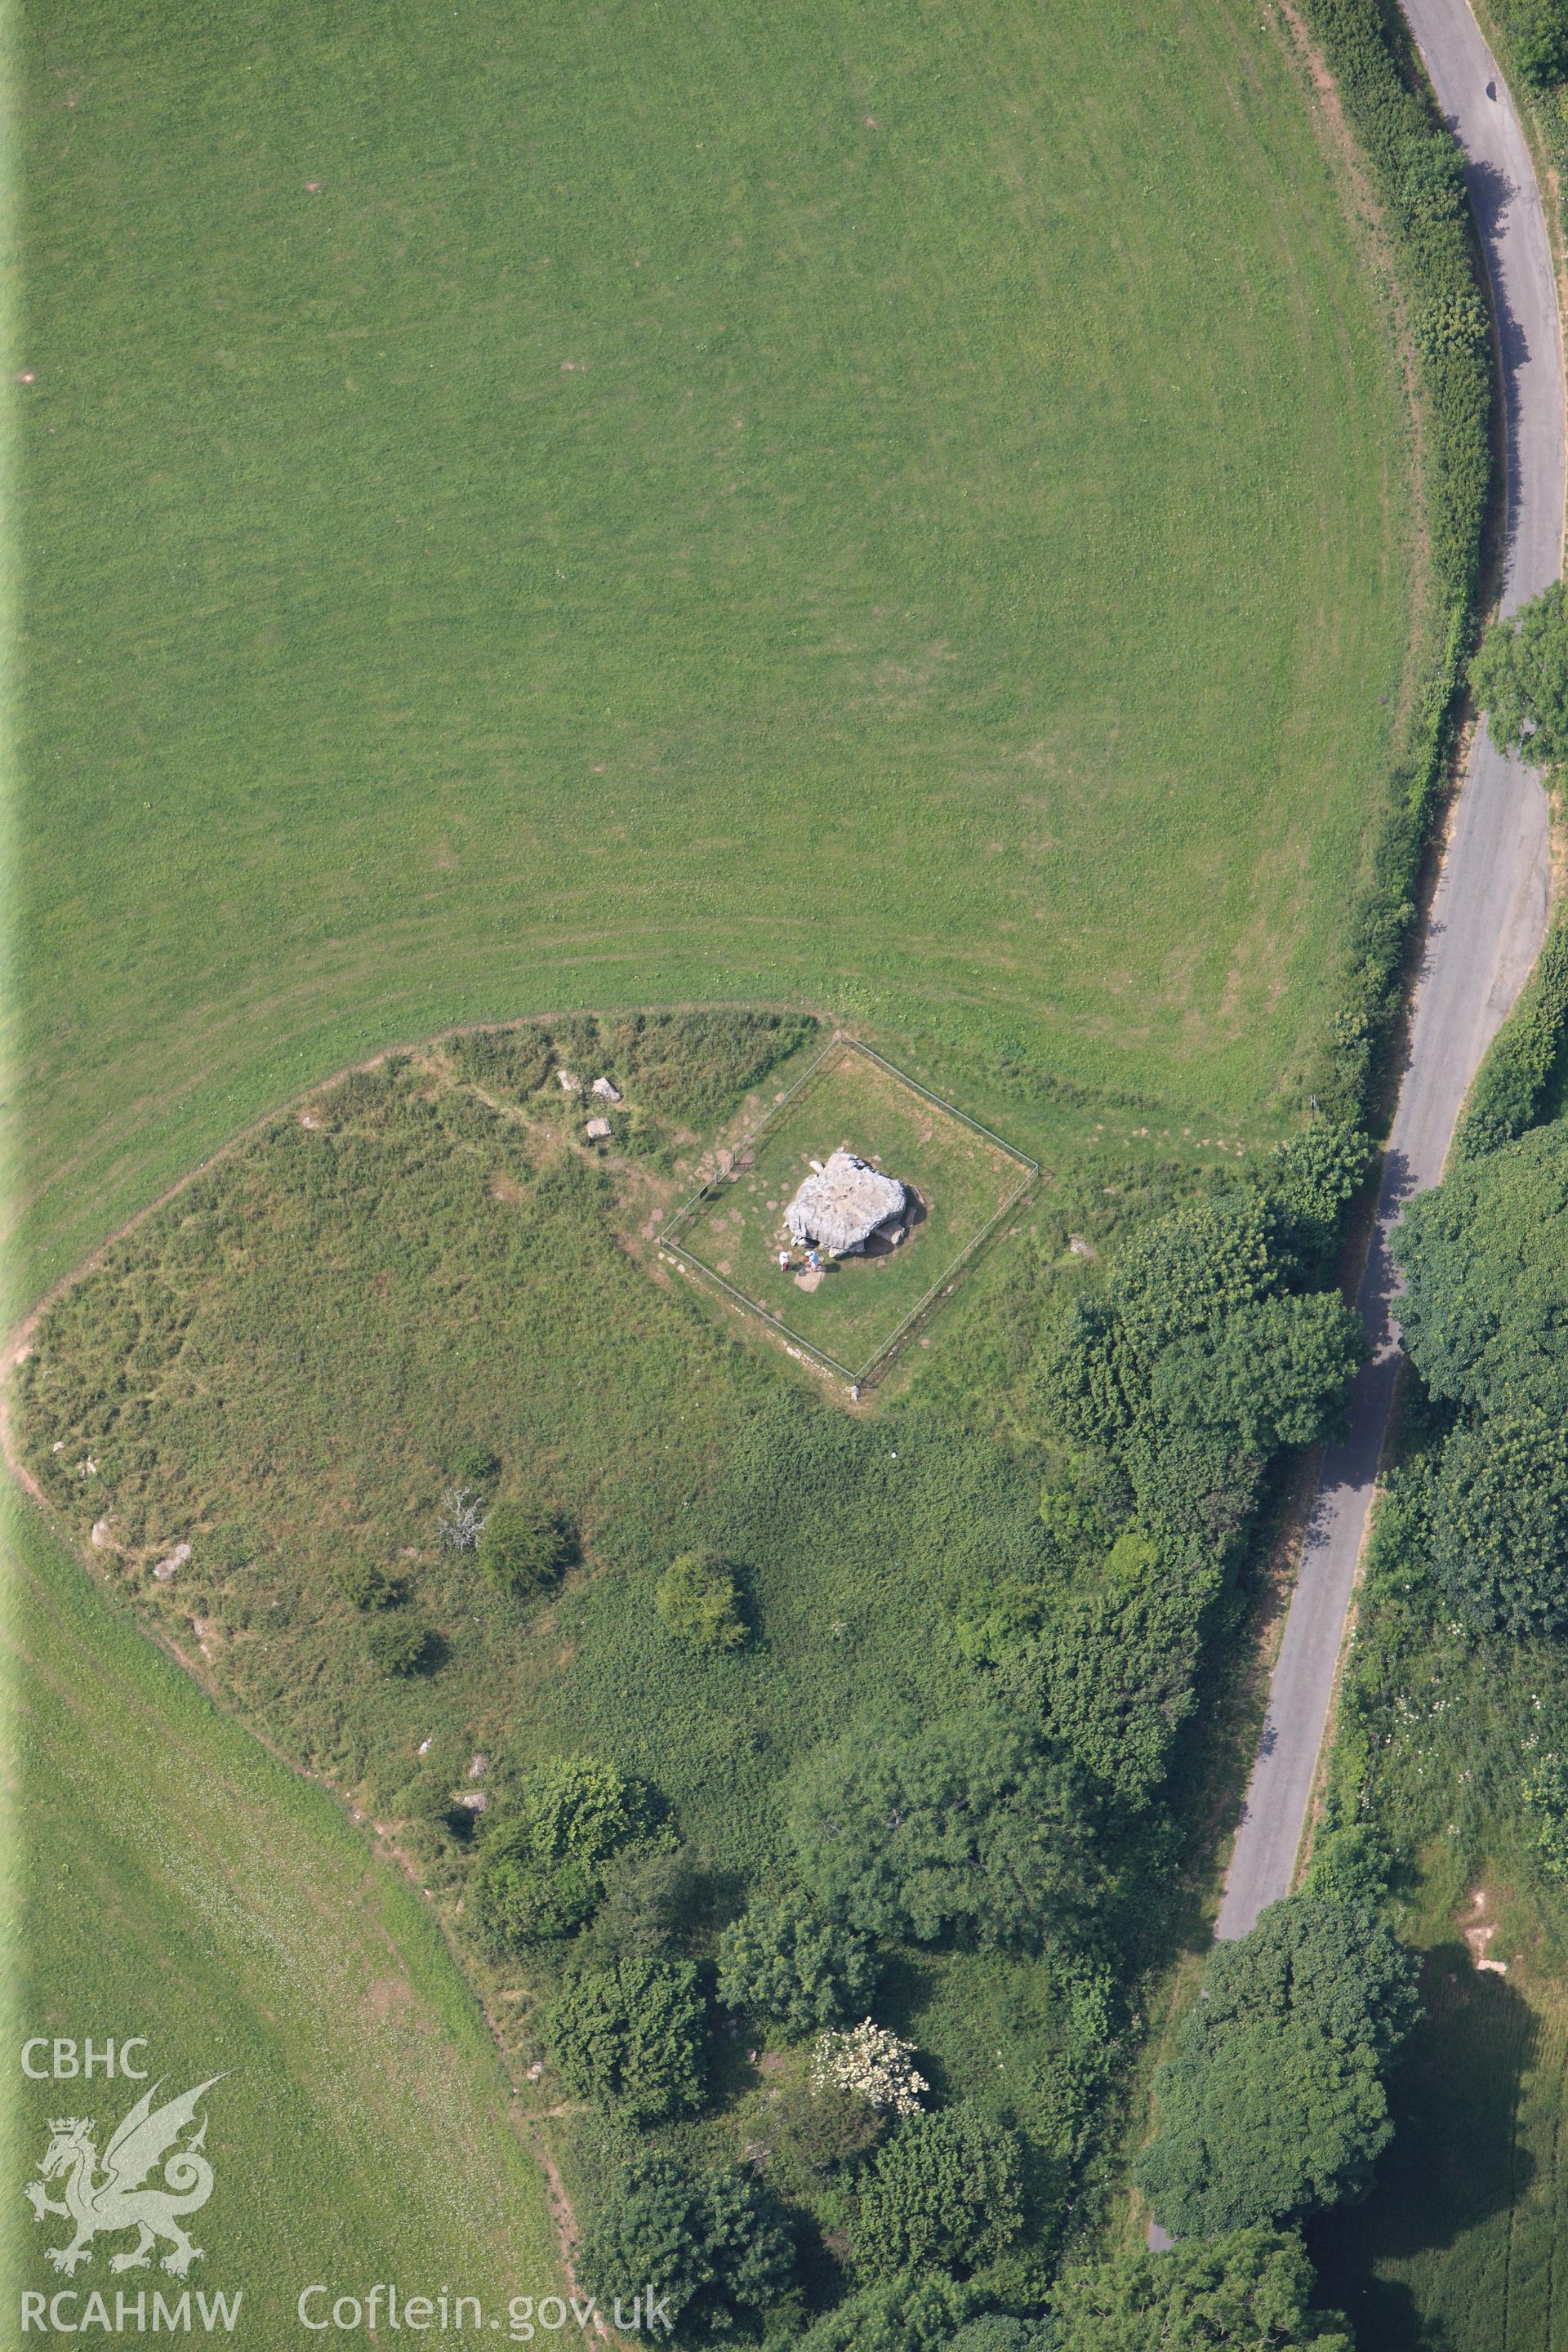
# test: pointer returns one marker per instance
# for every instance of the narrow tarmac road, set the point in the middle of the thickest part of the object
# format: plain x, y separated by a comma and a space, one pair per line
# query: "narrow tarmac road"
1486, 922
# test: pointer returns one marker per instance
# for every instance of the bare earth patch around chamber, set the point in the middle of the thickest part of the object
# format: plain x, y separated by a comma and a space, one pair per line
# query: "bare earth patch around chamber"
848, 1314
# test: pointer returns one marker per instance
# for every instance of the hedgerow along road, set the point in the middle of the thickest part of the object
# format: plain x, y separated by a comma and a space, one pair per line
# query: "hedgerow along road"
1486, 922
1484, 931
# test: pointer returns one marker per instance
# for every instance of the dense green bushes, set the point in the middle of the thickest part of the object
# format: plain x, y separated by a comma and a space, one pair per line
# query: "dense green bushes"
1179, 1377
1248, 2288
819, 2128
1499, 1521
524, 1547
654, 1902
543, 1861
1486, 1262
1485, 1259
1510, 1091
698, 1600
400, 1644
944, 2193
1112, 1672
1533, 46
784, 1961
1274, 2101
630, 2036
1196, 1362
965, 1826
1539, 40
369, 1586
1519, 678
1544, 1795
707, 2241
910, 2313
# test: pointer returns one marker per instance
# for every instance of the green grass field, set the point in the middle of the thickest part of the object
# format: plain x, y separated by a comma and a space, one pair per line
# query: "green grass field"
181, 1885
841, 506
560, 508
849, 1312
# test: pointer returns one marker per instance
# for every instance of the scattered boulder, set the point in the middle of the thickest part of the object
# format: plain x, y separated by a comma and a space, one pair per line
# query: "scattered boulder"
478, 1768
100, 1535
598, 1130
167, 1569
474, 1800
570, 1083
606, 1089
844, 1203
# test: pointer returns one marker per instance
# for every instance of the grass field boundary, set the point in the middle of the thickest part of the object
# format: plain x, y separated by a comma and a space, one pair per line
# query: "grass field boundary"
841, 1044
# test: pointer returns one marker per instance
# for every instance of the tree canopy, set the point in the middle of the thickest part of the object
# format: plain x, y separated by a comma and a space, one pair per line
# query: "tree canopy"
1538, 32
943, 2193
709, 2241
786, 1961
1544, 1794
1248, 2289
1272, 1374
967, 1825
1199, 1356
1499, 1521
1520, 676
914, 2312
1484, 1317
631, 2036
1111, 1670
543, 1859
1274, 2102
1485, 1320
996, 2331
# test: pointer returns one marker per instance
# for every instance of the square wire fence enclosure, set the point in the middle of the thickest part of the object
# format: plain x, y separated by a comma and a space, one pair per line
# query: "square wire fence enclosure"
850, 1313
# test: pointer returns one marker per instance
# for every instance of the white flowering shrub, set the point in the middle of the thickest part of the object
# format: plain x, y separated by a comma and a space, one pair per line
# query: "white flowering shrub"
874, 2063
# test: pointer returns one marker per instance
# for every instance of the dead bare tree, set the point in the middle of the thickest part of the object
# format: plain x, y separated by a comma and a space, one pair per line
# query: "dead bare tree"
462, 1517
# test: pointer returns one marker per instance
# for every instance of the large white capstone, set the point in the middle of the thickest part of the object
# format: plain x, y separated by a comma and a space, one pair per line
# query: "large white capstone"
842, 1204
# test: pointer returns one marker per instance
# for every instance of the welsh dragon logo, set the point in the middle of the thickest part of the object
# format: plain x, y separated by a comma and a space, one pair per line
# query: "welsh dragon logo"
119, 2198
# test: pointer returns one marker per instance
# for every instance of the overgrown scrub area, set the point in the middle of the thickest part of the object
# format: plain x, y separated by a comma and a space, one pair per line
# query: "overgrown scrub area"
1445, 1774
1448, 1775
803, 1789
1516, 1083
684, 1071
1531, 37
